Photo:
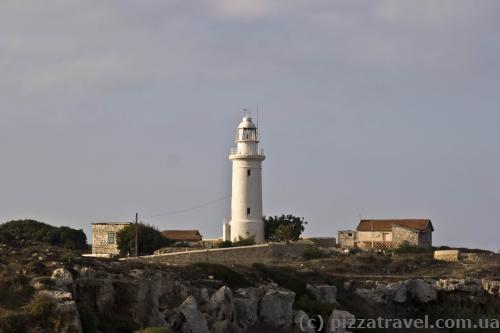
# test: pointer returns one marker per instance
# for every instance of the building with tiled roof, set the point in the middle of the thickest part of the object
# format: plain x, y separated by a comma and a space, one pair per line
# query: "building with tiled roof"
388, 233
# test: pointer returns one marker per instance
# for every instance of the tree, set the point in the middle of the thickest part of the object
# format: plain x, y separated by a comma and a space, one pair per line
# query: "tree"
149, 239
284, 228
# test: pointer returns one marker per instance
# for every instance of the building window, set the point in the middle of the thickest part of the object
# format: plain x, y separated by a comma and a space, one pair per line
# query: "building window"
248, 211
249, 172
111, 237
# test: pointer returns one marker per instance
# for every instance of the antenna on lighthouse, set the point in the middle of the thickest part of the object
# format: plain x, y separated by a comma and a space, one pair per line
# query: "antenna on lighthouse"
257, 120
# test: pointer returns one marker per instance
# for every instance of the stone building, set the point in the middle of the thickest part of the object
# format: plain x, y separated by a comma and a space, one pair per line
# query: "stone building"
382, 234
104, 238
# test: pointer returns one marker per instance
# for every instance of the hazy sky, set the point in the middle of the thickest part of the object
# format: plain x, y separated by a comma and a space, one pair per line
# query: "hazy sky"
384, 109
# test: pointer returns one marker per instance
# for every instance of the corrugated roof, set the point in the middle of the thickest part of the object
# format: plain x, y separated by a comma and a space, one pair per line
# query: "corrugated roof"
386, 225
182, 235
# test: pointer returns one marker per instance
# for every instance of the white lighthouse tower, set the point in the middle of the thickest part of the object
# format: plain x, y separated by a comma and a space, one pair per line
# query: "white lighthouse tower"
246, 201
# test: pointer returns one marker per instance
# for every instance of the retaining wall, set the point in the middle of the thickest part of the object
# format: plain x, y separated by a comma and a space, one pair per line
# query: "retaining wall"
243, 255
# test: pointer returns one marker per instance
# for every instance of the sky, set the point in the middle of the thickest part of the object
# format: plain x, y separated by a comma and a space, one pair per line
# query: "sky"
372, 109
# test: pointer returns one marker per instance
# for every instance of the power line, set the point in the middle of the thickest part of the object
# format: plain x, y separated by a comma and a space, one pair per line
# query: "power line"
185, 210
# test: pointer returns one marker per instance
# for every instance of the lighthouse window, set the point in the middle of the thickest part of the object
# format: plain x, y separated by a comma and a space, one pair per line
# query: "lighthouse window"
249, 172
248, 211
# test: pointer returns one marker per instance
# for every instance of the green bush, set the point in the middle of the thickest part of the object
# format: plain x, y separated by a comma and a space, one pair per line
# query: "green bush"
225, 244
230, 277
149, 239
312, 253
407, 248
31, 230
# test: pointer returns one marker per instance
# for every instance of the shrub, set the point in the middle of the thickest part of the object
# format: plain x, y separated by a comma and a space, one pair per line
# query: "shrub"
149, 239
32, 230
225, 244
312, 253
407, 248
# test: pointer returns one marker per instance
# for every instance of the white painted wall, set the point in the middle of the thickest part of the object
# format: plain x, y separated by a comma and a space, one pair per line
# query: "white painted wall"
247, 184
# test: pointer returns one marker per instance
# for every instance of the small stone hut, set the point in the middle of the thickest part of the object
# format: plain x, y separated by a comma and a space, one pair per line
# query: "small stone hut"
104, 238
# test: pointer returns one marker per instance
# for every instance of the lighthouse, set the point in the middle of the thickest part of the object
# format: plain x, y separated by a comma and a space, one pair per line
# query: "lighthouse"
246, 200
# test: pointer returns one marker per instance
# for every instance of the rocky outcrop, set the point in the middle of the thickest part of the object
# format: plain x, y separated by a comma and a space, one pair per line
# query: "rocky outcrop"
492, 287
323, 293
62, 277
339, 321
189, 319
469, 285
302, 322
276, 308
417, 290
65, 315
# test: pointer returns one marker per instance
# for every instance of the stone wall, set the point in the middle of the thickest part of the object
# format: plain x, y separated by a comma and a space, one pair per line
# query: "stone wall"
101, 244
401, 235
323, 241
243, 255
446, 255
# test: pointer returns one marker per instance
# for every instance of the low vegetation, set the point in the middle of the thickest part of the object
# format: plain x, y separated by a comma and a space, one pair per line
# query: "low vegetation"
312, 253
407, 248
240, 242
31, 230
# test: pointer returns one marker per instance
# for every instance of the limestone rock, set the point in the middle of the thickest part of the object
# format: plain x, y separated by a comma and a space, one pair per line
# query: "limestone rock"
222, 304
302, 323
323, 293
338, 321
191, 320
492, 287
469, 285
421, 291
246, 305
65, 313
62, 277
276, 308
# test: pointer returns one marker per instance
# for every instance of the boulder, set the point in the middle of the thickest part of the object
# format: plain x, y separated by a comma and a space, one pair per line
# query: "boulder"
421, 291
65, 314
62, 277
221, 304
276, 308
338, 321
492, 287
246, 305
302, 323
190, 319
323, 293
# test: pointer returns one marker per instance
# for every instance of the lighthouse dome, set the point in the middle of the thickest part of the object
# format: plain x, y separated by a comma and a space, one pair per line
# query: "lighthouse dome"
247, 123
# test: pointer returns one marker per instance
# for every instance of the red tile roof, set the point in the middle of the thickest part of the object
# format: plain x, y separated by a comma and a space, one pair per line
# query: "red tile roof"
182, 235
386, 225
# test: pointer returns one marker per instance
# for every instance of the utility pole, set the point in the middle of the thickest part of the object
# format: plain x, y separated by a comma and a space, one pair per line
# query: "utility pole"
136, 234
